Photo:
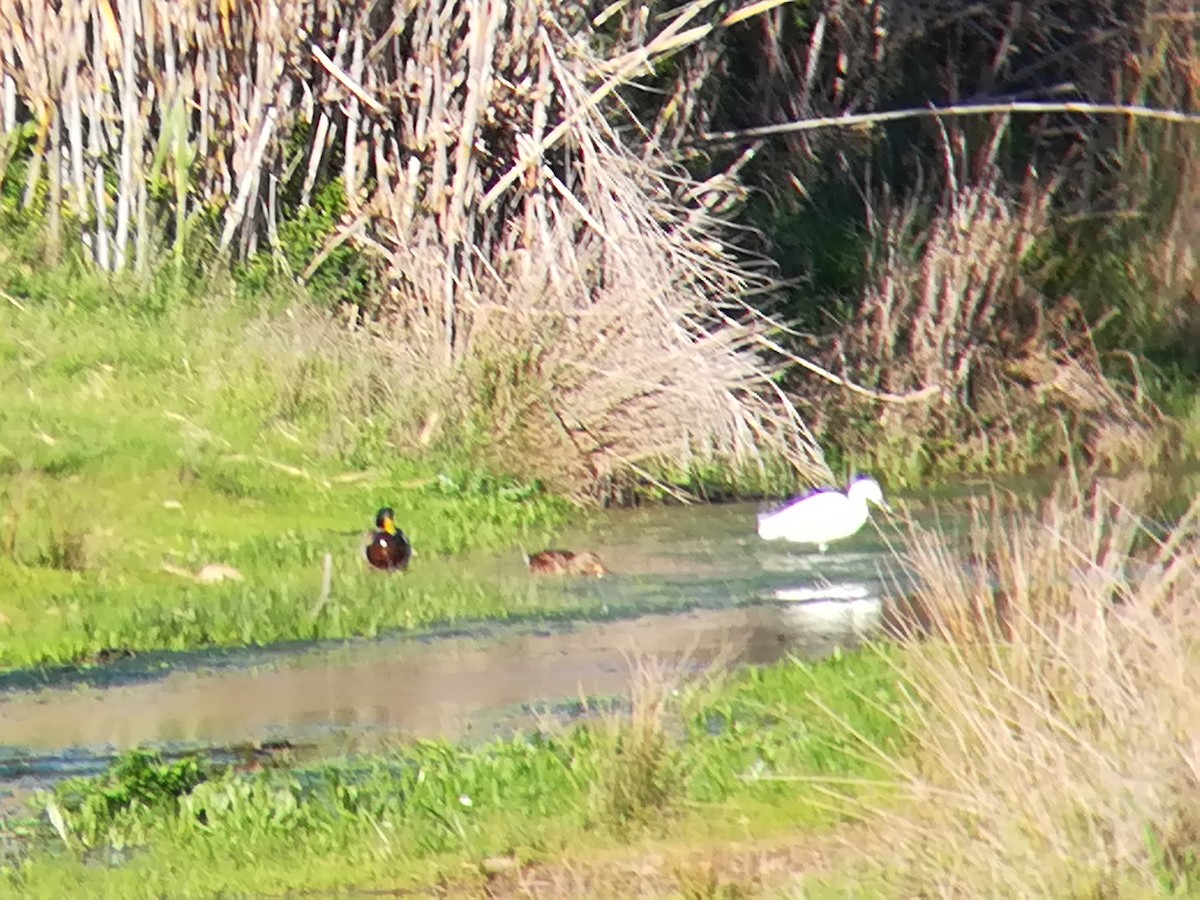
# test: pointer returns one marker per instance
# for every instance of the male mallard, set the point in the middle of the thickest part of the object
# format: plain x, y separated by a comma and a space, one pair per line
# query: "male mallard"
388, 547
564, 562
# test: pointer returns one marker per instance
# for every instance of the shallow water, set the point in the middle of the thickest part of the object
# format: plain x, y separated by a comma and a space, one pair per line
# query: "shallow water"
473, 683
691, 586
341, 699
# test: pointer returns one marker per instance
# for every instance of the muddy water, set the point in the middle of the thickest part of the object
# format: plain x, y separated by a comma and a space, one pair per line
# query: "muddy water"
690, 587
333, 701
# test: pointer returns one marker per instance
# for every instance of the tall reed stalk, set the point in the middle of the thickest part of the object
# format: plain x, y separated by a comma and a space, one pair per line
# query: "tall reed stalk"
530, 237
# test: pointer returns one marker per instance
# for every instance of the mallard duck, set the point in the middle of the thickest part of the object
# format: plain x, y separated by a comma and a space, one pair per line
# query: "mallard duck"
823, 516
564, 562
388, 548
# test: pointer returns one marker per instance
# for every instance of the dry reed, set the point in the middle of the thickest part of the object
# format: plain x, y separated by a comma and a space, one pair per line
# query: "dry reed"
951, 319
536, 247
1057, 744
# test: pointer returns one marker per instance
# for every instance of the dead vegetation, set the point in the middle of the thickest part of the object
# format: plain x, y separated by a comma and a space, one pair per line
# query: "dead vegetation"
721, 871
988, 371
544, 273
1014, 280
544, 241
1055, 702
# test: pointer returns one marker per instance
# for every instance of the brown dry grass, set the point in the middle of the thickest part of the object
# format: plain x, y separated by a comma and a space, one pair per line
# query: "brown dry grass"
1160, 175
724, 870
1058, 701
618, 354
554, 288
941, 283
593, 316
766, 868
994, 374
981, 296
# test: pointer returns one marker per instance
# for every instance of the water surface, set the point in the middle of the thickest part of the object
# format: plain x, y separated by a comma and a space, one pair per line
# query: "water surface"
691, 587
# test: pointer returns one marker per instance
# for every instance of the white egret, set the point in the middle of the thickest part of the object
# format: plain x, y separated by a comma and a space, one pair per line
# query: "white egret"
822, 516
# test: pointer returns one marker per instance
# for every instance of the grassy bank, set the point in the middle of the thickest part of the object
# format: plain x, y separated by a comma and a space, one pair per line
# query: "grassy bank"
706, 765
144, 427
1033, 735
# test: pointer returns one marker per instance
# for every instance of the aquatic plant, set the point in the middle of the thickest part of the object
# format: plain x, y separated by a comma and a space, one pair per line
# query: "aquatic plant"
138, 784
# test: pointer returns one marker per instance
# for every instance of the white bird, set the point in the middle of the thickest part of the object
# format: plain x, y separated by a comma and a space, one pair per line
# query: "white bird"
823, 516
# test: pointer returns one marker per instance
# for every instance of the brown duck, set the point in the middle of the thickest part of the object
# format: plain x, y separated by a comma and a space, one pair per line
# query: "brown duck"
564, 562
388, 548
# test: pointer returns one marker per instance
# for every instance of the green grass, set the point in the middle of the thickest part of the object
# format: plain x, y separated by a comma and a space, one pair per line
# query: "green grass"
432, 811
139, 429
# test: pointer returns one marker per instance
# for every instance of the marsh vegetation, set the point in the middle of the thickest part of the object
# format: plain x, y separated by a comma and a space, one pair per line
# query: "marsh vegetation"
1028, 725
144, 444
268, 266
550, 221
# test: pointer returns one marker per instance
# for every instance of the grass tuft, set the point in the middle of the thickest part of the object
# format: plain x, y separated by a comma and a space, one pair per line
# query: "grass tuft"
641, 778
67, 551
977, 363
1056, 695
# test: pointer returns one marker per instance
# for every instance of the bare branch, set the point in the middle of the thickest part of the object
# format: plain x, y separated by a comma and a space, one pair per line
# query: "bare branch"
860, 120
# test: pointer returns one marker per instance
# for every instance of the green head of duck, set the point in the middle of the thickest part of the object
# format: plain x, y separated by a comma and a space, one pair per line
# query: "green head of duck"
388, 548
